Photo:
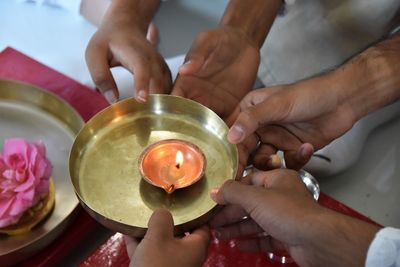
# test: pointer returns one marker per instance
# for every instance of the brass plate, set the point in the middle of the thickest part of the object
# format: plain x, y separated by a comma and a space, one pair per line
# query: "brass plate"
35, 114
104, 162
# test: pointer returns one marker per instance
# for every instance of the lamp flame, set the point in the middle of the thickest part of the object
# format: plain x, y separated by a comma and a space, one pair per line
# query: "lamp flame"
179, 159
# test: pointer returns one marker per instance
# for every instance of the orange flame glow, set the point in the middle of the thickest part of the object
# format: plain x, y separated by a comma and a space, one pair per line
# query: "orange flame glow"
179, 159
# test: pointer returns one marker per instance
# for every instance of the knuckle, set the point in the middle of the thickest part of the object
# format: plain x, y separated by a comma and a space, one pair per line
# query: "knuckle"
100, 80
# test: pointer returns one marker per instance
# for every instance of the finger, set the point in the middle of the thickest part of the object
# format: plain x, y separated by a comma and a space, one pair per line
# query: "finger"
250, 119
245, 148
99, 68
265, 178
232, 118
195, 59
161, 225
274, 178
161, 80
241, 229
228, 215
233, 192
192, 65
139, 64
153, 35
297, 159
142, 81
131, 245
247, 179
265, 158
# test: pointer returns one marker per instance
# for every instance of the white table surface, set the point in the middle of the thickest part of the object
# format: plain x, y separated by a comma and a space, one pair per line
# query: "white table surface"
58, 38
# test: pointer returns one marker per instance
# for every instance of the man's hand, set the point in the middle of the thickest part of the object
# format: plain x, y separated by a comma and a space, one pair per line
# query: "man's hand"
296, 119
219, 69
283, 215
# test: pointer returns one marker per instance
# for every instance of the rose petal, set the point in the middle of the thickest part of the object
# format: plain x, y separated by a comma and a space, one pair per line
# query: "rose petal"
5, 205
8, 220
29, 183
14, 146
21, 204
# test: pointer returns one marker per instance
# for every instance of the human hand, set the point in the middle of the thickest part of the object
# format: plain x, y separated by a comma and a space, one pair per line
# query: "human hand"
159, 247
121, 41
296, 119
220, 68
283, 215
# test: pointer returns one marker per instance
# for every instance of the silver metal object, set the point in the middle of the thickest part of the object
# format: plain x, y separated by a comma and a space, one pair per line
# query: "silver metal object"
311, 183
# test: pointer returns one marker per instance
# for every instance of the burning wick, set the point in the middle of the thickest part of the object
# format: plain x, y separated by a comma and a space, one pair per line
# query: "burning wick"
174, 174
179, 159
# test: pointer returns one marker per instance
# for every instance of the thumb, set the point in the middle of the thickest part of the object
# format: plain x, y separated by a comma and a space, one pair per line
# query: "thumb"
202, 48
161, 225
191, 66
271, 110
234, 192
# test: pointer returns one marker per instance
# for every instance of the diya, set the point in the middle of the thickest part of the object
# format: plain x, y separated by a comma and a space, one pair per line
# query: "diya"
132, 158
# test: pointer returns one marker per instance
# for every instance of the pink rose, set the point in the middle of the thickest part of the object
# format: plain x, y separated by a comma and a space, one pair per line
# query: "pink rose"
24, 178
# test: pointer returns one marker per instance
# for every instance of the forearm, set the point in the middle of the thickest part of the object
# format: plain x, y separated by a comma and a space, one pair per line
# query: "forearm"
135, 12
340, 240
371, 80
254, 17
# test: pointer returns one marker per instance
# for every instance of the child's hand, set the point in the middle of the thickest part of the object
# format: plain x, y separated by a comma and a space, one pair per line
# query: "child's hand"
159, 247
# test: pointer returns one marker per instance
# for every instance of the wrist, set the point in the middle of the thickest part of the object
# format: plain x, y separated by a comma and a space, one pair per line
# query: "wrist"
253, 19
340, 240
370, 80
130, 13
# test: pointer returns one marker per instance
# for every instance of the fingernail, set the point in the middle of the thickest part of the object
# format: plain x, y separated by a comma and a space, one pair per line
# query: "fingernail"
141, 95
235, 134
304, 152
274, 161
214, 193
110, 96
187, 62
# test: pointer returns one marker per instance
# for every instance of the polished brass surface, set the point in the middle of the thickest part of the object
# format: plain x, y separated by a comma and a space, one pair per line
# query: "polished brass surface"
29, 112
104, 162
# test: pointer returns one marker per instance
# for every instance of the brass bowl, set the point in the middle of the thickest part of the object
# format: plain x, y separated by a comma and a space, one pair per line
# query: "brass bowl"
104, 162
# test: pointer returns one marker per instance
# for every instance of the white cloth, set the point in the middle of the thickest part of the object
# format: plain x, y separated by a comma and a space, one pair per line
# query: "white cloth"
384, 250
317, 35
